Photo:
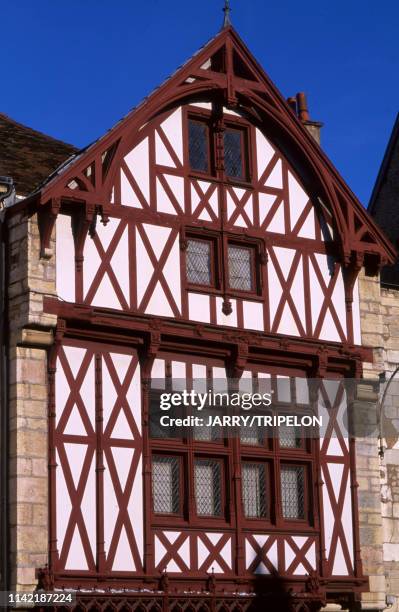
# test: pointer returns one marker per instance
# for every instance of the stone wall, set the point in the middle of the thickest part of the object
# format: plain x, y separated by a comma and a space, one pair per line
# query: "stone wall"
379, 477
30, 277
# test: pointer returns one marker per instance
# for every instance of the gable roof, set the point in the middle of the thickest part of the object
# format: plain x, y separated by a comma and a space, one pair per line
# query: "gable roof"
28, 156
386, 166
384, 201
226, 67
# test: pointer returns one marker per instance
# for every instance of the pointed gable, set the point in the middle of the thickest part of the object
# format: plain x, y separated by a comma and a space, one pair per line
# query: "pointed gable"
224, 67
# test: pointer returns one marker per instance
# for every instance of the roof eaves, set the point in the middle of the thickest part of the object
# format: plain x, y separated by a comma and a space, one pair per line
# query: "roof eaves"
63, 167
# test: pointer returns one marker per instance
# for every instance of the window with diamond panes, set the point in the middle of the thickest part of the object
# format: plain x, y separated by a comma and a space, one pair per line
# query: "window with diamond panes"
251, 435
241, 273
254, 489
289, 437
205, 433
198, 145
199, 261
233, 153
166, 484
293, 491
208, 484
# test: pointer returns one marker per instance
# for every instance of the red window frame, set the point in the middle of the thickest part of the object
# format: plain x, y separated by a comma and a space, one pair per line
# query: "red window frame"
253, 248
268, 486
205, 121
232, 123
307, 493
245, 151
180, 512
223, 474
213, 240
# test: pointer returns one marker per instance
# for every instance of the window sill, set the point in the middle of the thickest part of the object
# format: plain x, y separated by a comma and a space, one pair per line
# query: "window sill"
228, 182
254, 297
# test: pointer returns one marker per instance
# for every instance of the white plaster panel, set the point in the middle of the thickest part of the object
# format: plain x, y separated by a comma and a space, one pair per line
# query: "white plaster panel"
65, 259
123, 460
62, 391
253, 315
87, 505
144, 268
172, 126
121, 429
158, 304
76, 558
347, 520
120, 265
111, 507
339, 566
63, 504
275, 178
138, 164
163, 201
87, 393
109, 393
298, 199
171, 272
184, 552
287, 323
133, 397
105, 295
76, 454
158, 236
136, 511
199, 307
275, 290
264, 152
329, 519
123, 560
162, 155
128, 196
75, 357
75, 426
308, 227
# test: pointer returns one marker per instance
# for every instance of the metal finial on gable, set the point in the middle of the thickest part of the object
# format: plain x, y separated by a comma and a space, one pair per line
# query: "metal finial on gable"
226, 10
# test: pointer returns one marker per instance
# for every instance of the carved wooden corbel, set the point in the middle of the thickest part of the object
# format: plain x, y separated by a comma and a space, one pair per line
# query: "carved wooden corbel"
321, 365
47, 216
351, 272
240, 359
227, 308
83, 223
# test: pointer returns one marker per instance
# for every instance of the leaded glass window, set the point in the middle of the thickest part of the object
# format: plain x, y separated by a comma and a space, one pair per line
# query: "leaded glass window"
293, 491
289, 437
207, 479
166, 484
233, 147
198, 145
251, 435
199, 262
254, 494
240, 268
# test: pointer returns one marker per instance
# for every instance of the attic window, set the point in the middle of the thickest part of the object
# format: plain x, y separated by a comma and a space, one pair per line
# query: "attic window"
198, 136
234, 153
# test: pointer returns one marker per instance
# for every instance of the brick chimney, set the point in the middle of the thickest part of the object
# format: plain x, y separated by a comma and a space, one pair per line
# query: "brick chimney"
299, 106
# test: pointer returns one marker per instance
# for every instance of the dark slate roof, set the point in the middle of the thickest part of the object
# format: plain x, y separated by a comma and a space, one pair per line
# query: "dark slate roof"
29, 156
384, 202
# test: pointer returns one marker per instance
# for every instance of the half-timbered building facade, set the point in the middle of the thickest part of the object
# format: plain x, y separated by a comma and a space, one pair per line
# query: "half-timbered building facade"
206, 236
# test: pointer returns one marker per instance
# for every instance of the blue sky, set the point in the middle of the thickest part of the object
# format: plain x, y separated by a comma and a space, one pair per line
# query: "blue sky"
76, 67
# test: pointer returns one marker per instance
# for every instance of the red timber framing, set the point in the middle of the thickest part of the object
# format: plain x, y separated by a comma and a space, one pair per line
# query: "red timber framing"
305, 260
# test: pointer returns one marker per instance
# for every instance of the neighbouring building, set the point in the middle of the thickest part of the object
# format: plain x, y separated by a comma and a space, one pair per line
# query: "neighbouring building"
379, 312
205, 236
